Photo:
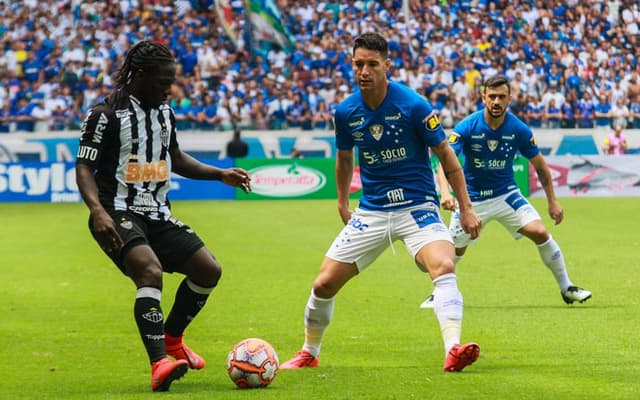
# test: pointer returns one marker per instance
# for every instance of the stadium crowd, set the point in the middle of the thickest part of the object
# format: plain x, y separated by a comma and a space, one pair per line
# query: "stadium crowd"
572, 64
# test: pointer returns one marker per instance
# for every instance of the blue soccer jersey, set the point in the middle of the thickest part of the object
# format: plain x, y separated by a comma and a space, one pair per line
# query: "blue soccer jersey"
489, 153
393, 147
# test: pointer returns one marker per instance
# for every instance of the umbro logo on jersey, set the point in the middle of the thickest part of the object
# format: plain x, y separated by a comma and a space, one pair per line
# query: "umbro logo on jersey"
357, 136
376, 131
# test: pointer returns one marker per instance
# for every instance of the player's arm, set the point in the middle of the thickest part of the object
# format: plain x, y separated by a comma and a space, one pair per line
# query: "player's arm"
546, 181
344, 174
452, 171
97, 128
447, 201
187, 166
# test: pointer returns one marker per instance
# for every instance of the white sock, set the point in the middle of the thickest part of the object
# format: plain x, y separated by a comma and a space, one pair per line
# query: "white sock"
317, 316
457, 259
448, 305
552, 257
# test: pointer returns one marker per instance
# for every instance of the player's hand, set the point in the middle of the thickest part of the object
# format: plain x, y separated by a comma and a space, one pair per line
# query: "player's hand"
556, 212
448, 202
237, 177
470, 222
104, 230
345, 213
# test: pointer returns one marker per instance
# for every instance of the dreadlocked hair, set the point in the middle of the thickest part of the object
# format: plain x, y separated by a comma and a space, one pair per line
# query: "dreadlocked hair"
145, 55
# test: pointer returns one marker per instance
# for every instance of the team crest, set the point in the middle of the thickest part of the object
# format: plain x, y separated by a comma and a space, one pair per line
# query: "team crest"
126, 224
376, 131
492, 144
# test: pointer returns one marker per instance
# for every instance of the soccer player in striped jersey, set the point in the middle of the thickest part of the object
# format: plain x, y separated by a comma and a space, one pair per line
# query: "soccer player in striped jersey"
393, 128
128, 149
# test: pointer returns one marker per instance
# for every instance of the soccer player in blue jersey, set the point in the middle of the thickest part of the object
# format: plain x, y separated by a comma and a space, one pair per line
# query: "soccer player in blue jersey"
393, 128
490, 139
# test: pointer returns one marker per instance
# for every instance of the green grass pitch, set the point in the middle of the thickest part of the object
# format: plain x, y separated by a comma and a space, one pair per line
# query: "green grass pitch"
67, 331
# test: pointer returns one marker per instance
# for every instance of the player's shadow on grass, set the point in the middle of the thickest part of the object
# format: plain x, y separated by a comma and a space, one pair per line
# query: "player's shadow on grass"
216, 387
541, 307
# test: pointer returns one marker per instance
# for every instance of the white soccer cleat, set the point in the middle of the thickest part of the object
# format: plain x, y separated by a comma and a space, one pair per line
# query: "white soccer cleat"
574, 293
428, 303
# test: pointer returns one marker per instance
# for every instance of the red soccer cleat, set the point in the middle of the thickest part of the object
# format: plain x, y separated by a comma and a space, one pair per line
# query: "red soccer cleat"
165, 371
460, 356
176, 348
301, 359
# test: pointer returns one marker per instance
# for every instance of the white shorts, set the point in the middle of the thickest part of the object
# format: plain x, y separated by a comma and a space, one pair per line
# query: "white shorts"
369, 233
512, 210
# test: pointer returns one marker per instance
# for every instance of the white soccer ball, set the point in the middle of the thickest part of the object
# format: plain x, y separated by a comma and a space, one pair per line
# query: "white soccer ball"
252, 363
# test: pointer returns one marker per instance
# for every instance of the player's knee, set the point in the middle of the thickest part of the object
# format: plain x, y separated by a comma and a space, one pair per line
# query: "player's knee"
441, 267
203, 269
208, 274
215, 273
537, 234
325, 288
147, 274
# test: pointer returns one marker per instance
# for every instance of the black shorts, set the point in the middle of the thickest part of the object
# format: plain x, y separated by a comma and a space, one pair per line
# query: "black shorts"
172, 241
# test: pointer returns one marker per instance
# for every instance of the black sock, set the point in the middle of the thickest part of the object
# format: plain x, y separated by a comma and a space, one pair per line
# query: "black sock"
190, 298
148, 315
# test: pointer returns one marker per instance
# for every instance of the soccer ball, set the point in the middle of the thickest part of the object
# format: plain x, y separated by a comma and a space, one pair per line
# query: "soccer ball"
252, 363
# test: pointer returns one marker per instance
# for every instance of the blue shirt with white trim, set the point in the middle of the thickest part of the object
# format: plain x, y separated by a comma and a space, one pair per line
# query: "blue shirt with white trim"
393, 147
489, 154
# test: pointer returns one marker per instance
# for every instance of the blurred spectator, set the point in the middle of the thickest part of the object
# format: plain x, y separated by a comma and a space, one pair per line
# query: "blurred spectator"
585, 111
208, 117
620, 114
602, 111
322, 117
519, 107
568, 111
535, 111
237, 148
444, 52
634, 112
552, 115
615, 142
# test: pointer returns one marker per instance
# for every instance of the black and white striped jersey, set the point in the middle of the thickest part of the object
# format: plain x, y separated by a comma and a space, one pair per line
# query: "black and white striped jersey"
128, 148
